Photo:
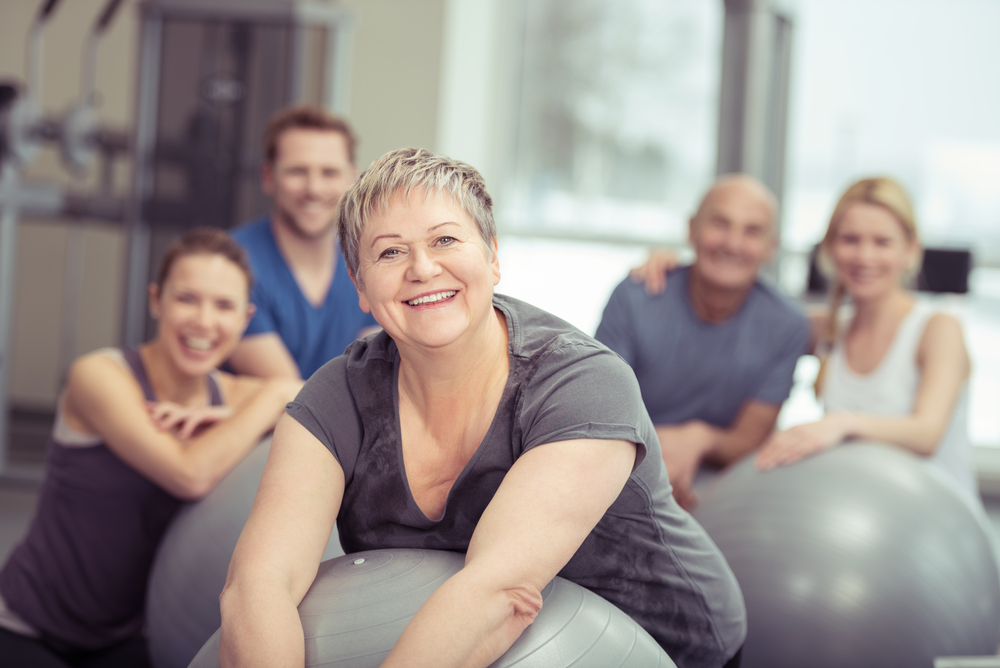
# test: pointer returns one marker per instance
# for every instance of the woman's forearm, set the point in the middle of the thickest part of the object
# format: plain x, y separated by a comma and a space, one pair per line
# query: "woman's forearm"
260, 627
468, 621
209, 456
915, 433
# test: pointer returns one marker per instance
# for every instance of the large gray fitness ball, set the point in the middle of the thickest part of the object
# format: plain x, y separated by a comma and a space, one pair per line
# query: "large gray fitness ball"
359, 605
860, 556
182, 601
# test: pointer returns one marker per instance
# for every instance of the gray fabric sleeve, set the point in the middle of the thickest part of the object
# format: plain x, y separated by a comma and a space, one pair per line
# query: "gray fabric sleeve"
325, 406
777, 384
583, 391
617, 327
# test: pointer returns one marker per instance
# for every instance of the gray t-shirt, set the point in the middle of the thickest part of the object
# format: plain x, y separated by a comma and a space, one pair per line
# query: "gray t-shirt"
646, 555
689, 369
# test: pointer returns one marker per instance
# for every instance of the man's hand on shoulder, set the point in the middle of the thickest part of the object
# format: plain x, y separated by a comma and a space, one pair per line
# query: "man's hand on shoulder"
653, 272
684, 446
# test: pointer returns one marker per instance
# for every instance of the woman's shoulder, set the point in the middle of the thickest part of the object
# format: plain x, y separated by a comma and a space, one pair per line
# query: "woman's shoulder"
555, 355
534, 331
940, 331
92, 366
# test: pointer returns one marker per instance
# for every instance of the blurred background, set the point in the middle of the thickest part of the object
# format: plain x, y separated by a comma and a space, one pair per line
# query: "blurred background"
597, 126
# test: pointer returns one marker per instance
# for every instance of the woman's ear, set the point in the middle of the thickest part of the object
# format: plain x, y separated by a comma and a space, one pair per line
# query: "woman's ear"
362, 301
154, 301
495, 264
251, 309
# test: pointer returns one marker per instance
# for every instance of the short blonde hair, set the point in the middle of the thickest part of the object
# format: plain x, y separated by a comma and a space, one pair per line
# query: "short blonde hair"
402, 171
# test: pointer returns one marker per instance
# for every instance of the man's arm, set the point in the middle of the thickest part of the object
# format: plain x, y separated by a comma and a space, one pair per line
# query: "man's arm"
752, 426
617, 327
685, 446
264, 355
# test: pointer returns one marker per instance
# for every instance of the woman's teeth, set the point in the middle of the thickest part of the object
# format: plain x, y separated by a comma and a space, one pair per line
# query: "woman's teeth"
429, 299
197, 342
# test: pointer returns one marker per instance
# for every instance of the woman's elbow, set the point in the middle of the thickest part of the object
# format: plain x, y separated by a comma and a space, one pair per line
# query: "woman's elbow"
523, 604
927, 442
190, 485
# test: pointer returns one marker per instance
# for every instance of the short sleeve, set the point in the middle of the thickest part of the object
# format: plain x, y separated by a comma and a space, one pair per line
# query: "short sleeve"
583, 391
326, 407
262, 321
617, 327
777, 383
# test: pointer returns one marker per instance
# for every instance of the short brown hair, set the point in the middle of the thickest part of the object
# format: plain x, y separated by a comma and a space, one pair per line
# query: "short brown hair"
305, 117
205, 241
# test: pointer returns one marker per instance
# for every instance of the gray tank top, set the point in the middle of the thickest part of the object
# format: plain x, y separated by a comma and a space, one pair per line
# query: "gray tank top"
79, 576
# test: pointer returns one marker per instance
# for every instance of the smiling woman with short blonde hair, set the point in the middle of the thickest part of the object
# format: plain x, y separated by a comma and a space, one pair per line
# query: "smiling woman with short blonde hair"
475, 423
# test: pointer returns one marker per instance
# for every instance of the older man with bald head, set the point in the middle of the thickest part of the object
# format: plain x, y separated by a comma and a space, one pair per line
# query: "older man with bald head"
715, 349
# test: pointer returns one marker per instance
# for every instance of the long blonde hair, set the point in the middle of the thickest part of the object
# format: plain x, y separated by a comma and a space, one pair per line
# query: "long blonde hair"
880, 191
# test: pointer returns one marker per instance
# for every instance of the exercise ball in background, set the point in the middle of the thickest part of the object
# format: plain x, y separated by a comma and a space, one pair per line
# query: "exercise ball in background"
359, 605
182, 601
860, 556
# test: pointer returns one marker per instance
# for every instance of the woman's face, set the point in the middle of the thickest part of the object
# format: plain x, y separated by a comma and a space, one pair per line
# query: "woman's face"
425, 273
202, 311
871, 251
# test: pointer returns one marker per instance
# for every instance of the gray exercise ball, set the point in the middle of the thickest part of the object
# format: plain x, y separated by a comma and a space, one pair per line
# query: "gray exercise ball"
182, 599
860, 556
359, 605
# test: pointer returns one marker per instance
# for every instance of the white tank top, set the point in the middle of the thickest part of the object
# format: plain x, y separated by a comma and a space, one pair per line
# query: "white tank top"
891, 390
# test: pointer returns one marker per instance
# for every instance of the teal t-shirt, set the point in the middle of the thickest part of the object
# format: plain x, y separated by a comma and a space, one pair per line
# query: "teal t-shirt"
313, 335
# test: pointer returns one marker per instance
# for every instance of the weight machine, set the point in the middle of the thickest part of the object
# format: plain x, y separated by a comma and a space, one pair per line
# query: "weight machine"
209, 75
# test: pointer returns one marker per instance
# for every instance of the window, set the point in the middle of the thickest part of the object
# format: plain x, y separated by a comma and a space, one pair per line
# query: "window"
617, 119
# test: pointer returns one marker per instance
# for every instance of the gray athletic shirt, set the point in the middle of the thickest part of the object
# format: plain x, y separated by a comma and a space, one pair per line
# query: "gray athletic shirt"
646, 555
689, 369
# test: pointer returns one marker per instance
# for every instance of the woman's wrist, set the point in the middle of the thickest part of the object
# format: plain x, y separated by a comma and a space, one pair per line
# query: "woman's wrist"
847, 424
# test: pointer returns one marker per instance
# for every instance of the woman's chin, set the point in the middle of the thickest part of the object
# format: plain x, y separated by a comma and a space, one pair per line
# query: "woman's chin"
193, 362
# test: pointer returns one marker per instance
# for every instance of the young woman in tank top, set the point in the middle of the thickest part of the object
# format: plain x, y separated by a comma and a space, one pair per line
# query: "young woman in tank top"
897, 372
137, 432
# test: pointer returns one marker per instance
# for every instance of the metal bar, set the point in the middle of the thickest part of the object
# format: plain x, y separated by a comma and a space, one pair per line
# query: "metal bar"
297, 63
147, 98
8, 268
35, 48
72, 293
88, 81
337, 77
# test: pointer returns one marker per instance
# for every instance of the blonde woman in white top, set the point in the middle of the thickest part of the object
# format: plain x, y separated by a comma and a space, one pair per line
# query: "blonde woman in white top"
898, 371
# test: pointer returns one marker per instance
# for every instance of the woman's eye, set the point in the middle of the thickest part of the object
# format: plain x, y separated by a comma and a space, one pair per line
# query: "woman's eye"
444, 241
388, 253
186, 298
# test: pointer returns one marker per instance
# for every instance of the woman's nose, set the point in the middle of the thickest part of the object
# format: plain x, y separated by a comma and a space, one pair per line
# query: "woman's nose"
205, 315
422, 266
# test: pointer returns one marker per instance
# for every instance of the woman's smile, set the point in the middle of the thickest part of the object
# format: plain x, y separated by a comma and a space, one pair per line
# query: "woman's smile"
425, 273
433, 298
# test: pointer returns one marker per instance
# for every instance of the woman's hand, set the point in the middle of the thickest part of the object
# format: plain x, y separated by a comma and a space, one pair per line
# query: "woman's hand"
793, 444
185, 422
653, 272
